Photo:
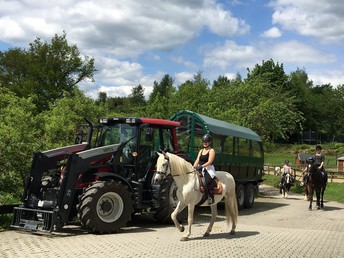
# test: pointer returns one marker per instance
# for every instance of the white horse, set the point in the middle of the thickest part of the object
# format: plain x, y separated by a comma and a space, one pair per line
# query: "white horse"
188, 193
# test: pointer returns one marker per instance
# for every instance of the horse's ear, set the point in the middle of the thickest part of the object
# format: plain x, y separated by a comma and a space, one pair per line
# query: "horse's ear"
165, 154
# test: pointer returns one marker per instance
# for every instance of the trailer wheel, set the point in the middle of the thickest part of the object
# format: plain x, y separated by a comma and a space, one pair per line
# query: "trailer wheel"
249, 195
105, 207
168, 202
240, 191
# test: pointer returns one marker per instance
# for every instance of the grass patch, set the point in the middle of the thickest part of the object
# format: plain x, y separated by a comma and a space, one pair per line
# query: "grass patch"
5, 221
333, 192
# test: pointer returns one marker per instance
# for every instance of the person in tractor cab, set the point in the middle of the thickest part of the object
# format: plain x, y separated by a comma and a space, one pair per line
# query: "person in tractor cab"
204, 164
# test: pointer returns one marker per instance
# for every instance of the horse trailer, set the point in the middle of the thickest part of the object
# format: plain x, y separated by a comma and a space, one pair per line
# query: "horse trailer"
239, 150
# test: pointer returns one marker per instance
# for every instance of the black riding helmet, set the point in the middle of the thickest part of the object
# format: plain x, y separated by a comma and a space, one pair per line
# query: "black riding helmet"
207, 138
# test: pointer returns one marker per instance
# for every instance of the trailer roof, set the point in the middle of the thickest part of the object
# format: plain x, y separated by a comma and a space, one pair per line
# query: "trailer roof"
221, 127
140, 120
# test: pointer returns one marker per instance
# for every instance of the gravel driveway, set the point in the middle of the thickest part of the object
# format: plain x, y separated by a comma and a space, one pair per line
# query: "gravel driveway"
274, 227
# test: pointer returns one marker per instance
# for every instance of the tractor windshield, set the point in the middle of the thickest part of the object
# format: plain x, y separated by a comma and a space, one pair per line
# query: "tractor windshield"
116, 133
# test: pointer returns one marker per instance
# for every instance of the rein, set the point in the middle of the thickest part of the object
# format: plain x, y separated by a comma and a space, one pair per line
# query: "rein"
164, 173
185, 173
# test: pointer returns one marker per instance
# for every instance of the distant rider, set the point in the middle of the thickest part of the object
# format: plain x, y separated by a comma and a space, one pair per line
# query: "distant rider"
286, 170
319, 160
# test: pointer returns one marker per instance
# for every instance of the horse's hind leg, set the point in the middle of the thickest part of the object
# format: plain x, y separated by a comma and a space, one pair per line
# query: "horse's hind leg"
212, 220
322, 198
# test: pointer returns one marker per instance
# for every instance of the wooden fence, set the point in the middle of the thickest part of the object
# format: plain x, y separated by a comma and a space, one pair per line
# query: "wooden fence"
333, 174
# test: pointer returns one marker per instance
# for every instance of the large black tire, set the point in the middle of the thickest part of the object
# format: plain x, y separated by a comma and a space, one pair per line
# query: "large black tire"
168, 202
105, 207
240, 191
249, 196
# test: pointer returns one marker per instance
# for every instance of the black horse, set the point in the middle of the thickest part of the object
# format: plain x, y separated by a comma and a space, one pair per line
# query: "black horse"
316, 182
286, 183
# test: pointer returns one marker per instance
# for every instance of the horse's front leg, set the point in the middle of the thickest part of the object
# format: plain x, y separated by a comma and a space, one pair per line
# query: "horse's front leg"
213, 218
310, 199
318, 199
191, 209
179, 208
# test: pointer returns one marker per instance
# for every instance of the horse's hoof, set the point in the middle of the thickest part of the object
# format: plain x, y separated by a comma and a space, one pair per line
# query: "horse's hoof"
318, 208
206, 234
309, 209
232, 232
182, 228
184, 239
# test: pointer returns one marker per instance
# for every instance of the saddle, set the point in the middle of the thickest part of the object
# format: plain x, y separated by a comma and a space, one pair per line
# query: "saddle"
217, 185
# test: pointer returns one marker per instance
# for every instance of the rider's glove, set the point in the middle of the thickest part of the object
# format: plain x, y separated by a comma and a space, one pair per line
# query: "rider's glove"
199, 167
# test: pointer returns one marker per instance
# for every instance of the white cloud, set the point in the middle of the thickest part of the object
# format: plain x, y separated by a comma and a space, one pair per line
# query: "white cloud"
231, 54
183, 77
274, 32
114, 32
181, 60
293, 53
322, 19
334, 76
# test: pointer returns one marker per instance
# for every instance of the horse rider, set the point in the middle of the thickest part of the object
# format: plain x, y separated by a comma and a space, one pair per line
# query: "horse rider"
286, 170
204, 164
319, 159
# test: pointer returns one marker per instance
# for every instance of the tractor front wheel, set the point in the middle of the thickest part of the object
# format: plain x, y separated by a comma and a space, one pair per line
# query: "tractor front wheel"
105, 207
168, 202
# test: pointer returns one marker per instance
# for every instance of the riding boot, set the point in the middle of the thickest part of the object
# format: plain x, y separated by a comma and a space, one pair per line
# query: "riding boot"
210, 194
209, 187
205, 188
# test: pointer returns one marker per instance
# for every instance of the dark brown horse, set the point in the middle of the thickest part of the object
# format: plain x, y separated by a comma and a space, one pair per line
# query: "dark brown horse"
316, 183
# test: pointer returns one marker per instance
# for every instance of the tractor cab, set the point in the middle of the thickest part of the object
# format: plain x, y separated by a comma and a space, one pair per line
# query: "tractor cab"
140, 139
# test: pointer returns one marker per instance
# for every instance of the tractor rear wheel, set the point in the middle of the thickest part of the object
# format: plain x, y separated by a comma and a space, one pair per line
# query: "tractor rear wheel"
168, 202
105, 207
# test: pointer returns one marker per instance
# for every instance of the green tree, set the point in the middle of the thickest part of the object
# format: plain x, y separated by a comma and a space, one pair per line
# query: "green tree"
137, 96
45, 70
222, 103
20, 132
270, 72
160, 103
62, 120
193, 95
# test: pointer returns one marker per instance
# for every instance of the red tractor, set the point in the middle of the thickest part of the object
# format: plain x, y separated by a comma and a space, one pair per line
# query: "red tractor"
104, 185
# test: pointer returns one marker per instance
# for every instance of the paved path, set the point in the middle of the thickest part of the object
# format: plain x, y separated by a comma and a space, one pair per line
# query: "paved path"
274, 227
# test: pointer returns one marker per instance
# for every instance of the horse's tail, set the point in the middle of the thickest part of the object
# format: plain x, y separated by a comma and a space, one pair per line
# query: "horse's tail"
231, 205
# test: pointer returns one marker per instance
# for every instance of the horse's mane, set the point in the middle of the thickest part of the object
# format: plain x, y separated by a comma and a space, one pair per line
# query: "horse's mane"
179, 165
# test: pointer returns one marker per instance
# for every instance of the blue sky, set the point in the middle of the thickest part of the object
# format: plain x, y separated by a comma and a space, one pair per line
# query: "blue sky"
137, 42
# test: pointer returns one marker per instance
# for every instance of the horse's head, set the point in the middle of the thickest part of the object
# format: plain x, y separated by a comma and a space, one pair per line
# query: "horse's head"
287, 178
162, 167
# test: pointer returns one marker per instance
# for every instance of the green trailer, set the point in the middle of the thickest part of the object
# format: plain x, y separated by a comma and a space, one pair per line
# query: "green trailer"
239, 150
